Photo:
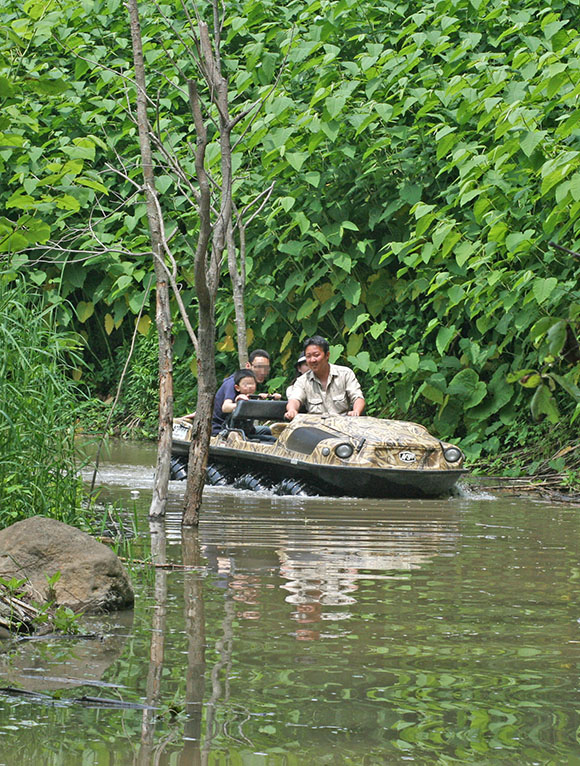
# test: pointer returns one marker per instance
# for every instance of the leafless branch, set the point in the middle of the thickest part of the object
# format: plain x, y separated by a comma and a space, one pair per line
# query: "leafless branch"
98, 64
564, 249
264, 196
193, 53
172, 276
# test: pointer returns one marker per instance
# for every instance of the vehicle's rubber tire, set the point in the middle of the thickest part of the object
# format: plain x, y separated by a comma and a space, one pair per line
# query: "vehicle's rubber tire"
216, 477
177, 469
253, 482
293, 487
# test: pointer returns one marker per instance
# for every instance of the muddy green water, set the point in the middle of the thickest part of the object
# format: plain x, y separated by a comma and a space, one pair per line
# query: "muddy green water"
316, 631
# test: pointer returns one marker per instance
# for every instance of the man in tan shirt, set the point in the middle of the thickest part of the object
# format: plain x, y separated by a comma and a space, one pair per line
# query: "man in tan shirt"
326, 389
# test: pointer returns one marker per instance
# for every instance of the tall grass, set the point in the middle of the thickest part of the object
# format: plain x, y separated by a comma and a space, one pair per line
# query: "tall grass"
38, 410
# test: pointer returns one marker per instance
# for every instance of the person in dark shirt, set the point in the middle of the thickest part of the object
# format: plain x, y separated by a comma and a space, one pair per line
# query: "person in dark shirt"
259, 363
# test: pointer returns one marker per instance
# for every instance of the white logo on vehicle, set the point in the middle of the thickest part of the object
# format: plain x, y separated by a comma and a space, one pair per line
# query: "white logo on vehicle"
407, 457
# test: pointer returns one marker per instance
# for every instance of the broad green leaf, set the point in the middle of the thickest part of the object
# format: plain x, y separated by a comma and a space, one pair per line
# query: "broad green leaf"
568, 385
411, 361
21, 201
144, 324
411, 193
361, 361
403, 395
47, 86
351, 290
335, 105
85, 310
444, 337
286, 203
478, 395
6, 89
124, 281
385, 111
543, 403
361, 319
313, 178
431, 393
292, 247
543, 288
13, 242
331, 129
354, 344
96, 185
297, 159
377, 329
574, 184
286, 340
68, 202
456, 293
556, 337
343, 261
531, 381
335, 352
10, 140
463, 384
163, 183
515, 377
531, 140
541, 327
421, 209
307, 308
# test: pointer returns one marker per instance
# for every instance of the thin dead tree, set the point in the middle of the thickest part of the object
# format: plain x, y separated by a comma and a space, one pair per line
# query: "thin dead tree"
163, 309
237, 266
211, 243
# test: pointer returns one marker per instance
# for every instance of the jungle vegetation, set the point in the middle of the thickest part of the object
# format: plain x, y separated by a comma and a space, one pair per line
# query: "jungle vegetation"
425, 212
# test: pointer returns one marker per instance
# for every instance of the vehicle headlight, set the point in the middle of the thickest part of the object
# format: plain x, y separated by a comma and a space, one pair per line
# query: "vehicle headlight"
343, 450
452, 454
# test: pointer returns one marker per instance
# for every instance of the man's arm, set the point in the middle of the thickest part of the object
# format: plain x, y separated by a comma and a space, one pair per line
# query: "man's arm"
357, 408
355, 394
292, 408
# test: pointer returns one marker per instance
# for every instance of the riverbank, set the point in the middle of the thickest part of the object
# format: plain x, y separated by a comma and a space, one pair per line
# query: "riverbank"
548, 470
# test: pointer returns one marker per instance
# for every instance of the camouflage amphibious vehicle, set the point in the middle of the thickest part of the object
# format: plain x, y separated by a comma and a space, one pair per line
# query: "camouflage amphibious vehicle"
325, 455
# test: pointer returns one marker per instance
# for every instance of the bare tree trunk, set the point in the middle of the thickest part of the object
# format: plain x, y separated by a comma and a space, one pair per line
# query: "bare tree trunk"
206, 386
238, 279
163, 312
237, 267
207, 264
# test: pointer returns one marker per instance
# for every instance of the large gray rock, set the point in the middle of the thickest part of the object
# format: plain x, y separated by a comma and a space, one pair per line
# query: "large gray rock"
92, 578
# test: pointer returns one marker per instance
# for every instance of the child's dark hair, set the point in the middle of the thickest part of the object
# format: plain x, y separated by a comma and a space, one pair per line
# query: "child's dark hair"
241, 374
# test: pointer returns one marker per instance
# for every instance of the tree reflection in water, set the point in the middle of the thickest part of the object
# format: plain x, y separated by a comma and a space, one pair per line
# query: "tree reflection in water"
195, 632
194, 752
157, 647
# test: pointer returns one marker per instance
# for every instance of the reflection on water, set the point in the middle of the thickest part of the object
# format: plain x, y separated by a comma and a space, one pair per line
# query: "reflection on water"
306, 630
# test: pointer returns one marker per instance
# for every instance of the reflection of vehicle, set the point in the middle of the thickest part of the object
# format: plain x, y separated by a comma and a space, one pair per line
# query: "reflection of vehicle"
327, 454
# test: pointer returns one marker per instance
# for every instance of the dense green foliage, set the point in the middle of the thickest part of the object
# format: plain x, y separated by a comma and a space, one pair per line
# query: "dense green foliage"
425, 157
38, 410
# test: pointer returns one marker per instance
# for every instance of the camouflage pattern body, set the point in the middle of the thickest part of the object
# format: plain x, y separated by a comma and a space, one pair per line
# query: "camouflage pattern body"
377, 443
402, 456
